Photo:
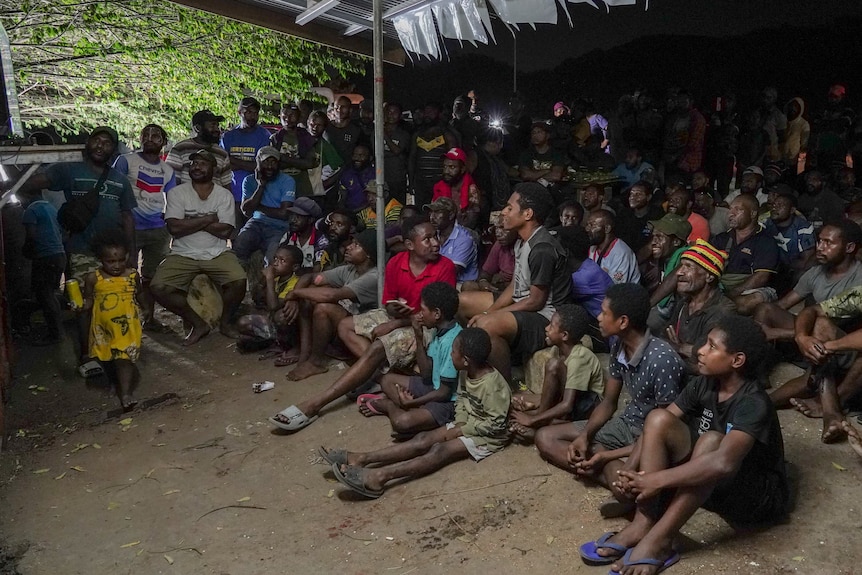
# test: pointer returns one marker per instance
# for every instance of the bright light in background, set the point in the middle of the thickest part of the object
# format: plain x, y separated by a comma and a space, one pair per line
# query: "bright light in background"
496, 123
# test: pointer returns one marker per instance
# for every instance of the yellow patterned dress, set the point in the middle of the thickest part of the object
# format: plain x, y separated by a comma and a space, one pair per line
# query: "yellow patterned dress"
115, 328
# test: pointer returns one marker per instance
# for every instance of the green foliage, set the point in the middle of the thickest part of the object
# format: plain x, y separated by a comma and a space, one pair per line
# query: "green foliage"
126, 63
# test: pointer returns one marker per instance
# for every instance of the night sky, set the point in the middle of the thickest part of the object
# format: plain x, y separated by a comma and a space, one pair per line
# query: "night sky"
549, 45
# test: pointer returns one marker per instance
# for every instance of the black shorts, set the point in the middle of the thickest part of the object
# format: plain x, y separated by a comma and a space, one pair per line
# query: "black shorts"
584, 405
750, 498
531, 333
442, 411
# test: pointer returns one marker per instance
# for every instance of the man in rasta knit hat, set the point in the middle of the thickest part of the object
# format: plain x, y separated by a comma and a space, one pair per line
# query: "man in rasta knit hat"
699, 303
322, 300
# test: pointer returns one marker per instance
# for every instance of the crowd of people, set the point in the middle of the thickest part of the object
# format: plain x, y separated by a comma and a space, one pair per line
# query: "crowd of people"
696, 252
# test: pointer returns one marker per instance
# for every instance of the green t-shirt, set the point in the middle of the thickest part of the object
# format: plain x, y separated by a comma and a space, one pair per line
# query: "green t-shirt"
584, 372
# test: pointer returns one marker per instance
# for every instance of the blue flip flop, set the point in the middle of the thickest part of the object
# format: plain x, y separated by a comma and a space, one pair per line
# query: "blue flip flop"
662, 565
589, 551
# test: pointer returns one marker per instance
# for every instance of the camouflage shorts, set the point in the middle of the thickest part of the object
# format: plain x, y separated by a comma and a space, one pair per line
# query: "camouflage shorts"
399, 345
82, 264
263, 327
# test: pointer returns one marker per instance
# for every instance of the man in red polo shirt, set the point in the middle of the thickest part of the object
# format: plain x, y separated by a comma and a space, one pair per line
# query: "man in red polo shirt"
459, 185
383, 336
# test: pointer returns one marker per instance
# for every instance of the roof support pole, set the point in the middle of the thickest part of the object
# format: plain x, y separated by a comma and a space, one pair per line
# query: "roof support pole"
377, 30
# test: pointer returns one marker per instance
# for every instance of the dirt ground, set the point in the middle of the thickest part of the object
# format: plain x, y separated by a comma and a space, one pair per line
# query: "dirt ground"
203, 485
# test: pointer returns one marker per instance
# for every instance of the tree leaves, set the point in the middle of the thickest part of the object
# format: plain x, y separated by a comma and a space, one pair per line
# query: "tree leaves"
127, 63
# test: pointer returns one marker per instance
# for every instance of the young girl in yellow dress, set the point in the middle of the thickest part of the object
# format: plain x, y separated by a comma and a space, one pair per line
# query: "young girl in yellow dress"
115, 324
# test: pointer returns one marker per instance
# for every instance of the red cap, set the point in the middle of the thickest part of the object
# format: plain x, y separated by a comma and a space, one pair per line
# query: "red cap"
838, 90
456, 154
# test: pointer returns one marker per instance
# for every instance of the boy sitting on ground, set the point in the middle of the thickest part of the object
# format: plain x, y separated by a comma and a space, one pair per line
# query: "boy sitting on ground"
279, 279
478, 431
574, 381
425, 401
652, 373
717, 446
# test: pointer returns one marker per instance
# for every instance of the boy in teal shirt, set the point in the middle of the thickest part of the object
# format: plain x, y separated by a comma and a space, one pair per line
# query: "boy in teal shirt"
415, 403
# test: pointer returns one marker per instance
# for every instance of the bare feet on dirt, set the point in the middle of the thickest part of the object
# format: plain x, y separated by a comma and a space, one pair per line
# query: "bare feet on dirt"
853, 437
304, 370
196, 334
808, 407
833, 430
288, 357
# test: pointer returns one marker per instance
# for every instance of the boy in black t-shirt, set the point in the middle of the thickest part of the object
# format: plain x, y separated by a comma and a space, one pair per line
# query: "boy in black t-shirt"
718, 446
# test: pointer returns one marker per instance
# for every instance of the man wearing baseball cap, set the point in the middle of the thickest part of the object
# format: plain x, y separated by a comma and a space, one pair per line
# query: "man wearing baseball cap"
458, 185
242, 144
200, 216
657, 274
111, 210
456, 242
699, 300
266, 196
205, 126
303, 234
752, 184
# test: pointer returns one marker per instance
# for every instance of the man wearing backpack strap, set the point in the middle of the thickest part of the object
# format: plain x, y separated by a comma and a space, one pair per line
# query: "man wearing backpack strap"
113, 209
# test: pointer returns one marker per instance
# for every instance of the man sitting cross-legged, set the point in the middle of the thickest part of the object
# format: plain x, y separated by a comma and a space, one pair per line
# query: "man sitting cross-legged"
822, 342
418, 402
717, 446
541, 281
652, 373
478, 431
837, 270
574, 381
320, 301
382, 337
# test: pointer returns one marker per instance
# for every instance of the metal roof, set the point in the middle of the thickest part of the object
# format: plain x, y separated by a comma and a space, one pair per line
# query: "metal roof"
327, 28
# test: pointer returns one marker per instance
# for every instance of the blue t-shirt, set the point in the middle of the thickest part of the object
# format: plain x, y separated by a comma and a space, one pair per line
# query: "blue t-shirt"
460, 247
629, 176
150, 182
48, 238
281, 189
440, 354
794, 239
589, 285
243, 146
76, 179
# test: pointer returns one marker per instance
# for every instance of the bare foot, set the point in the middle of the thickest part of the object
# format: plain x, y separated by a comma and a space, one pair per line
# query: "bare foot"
196, 334
832, 428
521, 402
287, 358
304, 370
808, 407
853, 437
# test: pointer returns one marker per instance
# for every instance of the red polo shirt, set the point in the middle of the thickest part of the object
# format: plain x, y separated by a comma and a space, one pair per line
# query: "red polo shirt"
401, 283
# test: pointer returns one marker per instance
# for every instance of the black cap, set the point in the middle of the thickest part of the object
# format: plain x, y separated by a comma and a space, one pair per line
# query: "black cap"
249, 102
205, 116
110, 132
368, 240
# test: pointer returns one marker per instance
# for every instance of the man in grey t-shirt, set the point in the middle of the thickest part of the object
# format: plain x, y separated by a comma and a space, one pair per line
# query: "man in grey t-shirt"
517, 318
320, 301
837, 270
